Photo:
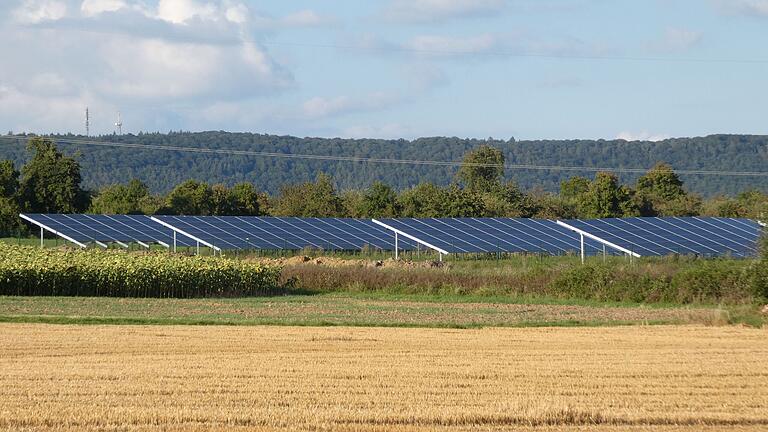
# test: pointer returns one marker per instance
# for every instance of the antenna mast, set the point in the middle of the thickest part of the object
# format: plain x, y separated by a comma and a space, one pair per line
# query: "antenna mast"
87, 122
119, 124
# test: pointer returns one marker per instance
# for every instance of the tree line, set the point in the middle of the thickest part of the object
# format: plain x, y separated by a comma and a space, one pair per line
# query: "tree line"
50, 182
161, 171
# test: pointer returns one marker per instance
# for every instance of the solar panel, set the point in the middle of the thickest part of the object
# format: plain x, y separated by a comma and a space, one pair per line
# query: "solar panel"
84, 228
707, 236
284, 233
487, 235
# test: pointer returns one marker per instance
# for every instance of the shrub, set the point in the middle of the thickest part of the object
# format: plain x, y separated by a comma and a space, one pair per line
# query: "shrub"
700, 281
65, 272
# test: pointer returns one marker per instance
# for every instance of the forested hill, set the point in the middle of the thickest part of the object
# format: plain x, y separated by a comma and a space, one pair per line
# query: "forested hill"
162, 169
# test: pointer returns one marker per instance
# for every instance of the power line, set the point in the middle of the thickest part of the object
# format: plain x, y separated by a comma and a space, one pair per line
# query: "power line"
234, 152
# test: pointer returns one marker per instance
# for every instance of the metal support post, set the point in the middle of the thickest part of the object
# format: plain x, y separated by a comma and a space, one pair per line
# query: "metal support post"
42, 244
397, 254
582, 248
198, 248
605, 253
174, 242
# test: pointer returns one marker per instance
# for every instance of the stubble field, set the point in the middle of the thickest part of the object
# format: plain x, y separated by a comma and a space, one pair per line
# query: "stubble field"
181, 378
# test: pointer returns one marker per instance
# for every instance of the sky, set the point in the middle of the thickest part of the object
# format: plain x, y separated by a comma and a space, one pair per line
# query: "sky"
528, 69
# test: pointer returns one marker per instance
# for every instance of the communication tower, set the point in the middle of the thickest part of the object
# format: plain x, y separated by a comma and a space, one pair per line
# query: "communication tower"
87, 122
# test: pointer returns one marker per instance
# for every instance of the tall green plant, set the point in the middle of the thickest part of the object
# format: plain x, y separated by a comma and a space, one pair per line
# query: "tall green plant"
29, 271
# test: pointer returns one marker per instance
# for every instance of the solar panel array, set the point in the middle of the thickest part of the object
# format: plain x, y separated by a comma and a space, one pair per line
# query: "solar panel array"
86, 228
642, 236
288, 233
489, 235
707, 236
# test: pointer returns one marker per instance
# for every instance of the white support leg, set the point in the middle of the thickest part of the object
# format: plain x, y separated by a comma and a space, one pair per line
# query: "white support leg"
582, 248
174, 241
198, 248
397, 255
42, 243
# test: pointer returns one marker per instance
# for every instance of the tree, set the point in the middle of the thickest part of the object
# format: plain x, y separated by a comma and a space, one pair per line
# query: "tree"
50, 181
246, 200
685, 205
379, 200
352, 202
10, 223
189, 198
574, 187
9, 208
754, 203
660, 193
132, 198
661, 182
318, 199
721, 206
222, 201
462, 203
482, 169
422, 201
606, 198
9, 180
508, 200
552, 206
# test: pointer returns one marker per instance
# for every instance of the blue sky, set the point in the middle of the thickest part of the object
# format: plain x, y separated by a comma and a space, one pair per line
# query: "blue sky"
388, 68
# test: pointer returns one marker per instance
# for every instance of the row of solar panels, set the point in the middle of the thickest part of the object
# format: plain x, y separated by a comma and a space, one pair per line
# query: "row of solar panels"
635, 236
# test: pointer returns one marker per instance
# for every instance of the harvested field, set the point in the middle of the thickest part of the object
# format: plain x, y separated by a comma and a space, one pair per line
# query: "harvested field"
136, 378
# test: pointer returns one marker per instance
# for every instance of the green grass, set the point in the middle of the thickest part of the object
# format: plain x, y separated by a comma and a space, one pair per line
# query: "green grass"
337, 309
516, 299
64, 320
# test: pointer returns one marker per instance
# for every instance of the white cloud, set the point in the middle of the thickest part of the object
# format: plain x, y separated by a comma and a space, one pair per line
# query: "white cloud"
641, 136
36, 11
321, 107
120, 55
181, 11
42, 113
48, 83
161, 70
237, 13
439, 10
306, 18
745, 7
385, 131
178, 12
449, 45
425, 76
677, 39
91, 8
560, 83
487, 45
